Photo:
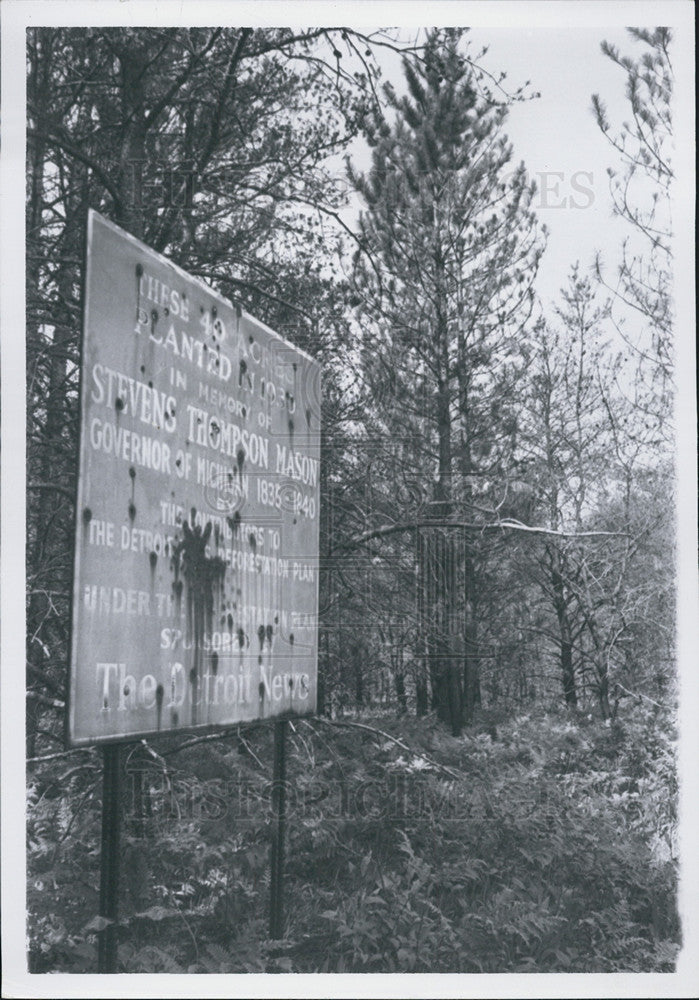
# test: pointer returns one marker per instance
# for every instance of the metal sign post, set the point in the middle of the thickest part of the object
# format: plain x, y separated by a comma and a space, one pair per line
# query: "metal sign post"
276, 899
109, 858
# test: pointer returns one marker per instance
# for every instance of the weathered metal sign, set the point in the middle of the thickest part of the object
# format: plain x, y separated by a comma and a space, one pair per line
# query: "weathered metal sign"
196, 587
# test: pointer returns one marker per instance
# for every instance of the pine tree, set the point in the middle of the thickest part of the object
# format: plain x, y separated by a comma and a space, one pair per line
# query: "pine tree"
450, 250
641, 191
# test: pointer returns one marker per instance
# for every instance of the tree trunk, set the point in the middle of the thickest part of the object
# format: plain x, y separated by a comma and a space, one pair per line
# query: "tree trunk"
471, 670
569, 691
603, 695
564, 630
421, 697
400, 694
400, 683
323, 668
438, 624
132, 167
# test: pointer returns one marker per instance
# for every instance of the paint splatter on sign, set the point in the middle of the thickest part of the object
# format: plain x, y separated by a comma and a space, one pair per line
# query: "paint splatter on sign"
195, 584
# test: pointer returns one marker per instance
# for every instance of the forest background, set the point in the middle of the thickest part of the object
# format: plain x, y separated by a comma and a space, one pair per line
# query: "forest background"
523, 416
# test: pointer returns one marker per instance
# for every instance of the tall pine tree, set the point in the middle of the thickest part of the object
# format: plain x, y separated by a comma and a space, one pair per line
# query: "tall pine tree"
449, 251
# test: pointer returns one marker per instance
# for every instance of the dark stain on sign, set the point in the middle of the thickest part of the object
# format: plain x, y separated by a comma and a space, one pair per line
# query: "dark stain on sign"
159, 693
139, 275
177, 587
132, 506
203, 577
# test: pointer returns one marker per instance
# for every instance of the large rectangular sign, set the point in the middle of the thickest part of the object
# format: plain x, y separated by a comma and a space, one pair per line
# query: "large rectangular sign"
196, 587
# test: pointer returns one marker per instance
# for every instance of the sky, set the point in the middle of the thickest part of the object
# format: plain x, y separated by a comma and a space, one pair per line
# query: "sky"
558, 139
555, 134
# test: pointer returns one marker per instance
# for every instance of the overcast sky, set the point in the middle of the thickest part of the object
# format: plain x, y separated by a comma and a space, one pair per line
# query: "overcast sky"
556, 134
557, 137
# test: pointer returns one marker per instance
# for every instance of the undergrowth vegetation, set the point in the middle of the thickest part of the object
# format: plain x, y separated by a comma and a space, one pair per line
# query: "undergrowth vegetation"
541, 842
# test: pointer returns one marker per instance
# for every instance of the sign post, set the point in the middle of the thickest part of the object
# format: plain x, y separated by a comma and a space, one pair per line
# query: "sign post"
195, 591
276, 898
109, 858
